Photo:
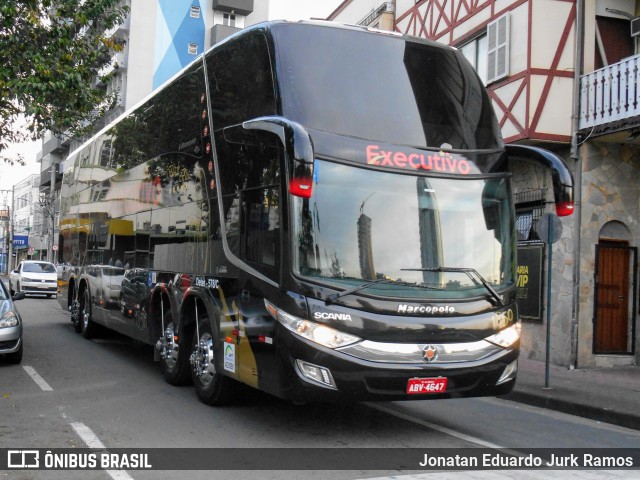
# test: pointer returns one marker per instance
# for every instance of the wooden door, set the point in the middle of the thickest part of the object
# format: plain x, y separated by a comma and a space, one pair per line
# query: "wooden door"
613, 290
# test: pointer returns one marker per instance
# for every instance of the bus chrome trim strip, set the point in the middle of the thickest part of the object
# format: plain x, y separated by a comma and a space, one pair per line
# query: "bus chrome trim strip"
414, 353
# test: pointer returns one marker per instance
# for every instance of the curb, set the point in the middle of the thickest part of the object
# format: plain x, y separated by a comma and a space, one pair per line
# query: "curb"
604, 415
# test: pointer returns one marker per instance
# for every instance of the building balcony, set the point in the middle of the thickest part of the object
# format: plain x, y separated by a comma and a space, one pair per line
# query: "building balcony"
610, 98
56, 144
239, 7
45, 176
220, 32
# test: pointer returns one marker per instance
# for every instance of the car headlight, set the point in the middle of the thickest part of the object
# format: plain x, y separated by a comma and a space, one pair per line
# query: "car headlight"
316, 332
9, 319
507, 337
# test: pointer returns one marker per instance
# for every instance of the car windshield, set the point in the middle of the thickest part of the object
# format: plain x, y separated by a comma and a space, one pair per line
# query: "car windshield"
39, 267
425, 237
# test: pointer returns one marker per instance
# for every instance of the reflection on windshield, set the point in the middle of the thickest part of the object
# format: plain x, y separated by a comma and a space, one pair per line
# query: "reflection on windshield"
38, 268
361, 225
437, 96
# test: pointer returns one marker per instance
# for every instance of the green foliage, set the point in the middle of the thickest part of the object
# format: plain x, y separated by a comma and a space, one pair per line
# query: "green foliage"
51, 53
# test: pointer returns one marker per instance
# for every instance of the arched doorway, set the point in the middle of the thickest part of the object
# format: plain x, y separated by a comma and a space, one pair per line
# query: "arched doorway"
615, 287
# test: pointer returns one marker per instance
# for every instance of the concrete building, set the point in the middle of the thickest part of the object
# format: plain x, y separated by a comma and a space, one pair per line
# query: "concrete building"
562, 74
27, 220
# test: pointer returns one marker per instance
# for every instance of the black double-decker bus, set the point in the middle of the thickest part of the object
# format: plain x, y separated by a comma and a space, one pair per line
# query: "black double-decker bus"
318, 211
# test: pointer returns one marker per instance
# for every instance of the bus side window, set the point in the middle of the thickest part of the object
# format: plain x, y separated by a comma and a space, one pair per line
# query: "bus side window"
242, 88
250, 177
241, 82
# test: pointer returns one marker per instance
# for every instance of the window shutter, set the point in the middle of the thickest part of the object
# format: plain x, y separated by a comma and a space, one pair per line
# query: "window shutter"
498, 49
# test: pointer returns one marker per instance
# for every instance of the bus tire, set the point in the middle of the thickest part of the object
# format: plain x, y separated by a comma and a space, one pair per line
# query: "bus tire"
87, 327
75, 316
174, 363
212, 386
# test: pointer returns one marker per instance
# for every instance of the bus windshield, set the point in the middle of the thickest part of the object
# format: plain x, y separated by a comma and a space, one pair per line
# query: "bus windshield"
405, 92
418, 235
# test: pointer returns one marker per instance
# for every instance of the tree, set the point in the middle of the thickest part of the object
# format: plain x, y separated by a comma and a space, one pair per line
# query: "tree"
52, 52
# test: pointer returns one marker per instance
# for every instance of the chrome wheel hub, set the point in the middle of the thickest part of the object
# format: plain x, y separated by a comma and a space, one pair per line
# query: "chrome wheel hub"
168, 347
202, 359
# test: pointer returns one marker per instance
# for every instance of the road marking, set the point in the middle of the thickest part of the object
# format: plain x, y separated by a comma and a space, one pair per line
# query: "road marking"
92, 441
439, 428
37, 378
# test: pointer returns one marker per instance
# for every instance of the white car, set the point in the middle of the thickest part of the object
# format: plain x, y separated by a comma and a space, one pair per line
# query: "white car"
34, 276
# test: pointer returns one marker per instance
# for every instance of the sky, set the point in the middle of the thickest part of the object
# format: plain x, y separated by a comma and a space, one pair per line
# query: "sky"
278, 9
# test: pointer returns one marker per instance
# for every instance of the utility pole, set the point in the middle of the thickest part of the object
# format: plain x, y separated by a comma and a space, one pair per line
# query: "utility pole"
52, 215
7, 240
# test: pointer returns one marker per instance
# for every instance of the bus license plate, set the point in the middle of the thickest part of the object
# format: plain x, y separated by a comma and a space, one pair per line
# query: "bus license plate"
418, 386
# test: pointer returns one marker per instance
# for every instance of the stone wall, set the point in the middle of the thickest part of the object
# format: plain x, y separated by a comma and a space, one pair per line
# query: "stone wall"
610, 193
526, 176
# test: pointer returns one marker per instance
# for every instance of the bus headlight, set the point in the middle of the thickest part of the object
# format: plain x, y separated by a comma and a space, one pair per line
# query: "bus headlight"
507, 337
318, 333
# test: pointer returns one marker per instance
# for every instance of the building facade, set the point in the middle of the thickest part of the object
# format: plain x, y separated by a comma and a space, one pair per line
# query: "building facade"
160, 37
561, 75
27, 219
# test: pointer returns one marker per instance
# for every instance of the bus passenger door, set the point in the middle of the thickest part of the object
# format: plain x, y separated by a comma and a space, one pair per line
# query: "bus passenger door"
260, 249
250, 167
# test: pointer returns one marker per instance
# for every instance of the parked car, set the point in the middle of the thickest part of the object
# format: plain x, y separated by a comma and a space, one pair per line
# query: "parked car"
11, 344
34, 276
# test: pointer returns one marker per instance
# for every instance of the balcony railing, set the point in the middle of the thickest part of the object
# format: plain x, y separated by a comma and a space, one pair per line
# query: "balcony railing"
611, 96
386, 7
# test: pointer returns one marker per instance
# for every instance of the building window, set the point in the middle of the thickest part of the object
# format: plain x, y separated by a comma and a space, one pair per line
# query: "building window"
529, 209
195, 11
476, 52
498, 49
229, 20
193, 49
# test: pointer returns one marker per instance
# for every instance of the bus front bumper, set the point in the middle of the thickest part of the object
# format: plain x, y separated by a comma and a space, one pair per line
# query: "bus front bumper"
321, 374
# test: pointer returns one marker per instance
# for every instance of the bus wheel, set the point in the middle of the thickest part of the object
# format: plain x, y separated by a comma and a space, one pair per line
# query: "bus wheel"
75, 316
212, 387
87, 327
174, 353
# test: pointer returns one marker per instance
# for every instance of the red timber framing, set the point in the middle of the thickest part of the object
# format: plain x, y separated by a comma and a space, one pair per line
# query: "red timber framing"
439, 20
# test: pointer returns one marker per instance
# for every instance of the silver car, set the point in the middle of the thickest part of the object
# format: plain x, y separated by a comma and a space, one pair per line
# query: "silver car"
11, 344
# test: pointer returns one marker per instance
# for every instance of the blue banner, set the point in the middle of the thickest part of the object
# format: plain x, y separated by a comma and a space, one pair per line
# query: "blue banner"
20, 241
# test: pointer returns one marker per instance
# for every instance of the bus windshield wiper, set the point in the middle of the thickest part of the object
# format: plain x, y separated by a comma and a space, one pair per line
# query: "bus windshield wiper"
470, 273
333, 297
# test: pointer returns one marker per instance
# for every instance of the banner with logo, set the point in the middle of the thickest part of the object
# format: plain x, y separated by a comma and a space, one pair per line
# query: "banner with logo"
20, 242
529, 287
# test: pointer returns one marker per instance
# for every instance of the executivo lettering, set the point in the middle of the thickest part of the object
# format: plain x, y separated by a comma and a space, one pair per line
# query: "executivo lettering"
426, 309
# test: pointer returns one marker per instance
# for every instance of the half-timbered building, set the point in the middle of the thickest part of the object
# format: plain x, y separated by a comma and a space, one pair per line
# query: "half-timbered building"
562, 74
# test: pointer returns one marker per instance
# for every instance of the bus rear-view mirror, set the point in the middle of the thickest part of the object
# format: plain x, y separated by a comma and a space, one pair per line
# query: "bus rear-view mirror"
298, 149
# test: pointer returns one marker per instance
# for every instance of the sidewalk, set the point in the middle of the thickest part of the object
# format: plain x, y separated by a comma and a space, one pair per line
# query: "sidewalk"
610, 395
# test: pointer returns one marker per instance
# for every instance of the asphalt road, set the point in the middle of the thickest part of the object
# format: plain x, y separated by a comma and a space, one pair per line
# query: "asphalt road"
107, 392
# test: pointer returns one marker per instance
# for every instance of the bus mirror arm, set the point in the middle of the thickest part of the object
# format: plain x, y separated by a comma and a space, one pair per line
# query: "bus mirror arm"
560, 174
298, 150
